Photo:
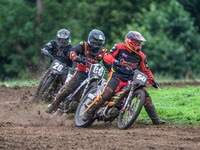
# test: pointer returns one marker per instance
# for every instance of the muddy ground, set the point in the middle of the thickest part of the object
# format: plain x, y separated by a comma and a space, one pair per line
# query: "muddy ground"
25, 125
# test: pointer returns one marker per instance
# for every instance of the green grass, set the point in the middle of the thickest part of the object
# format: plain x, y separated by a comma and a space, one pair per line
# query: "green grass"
176, 105
21, 83
168, 78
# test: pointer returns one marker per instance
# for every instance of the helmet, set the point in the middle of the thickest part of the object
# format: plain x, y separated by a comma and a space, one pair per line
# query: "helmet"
134, 41
96, 39
63, 38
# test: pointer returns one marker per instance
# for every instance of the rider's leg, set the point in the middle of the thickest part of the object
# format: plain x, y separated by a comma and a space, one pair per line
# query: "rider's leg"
151, 110
111, 87
63, 77
67, 89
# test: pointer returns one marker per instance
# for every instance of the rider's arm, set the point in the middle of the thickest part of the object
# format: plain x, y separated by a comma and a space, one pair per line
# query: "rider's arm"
109, 57
144, 67
47, 49
77, 50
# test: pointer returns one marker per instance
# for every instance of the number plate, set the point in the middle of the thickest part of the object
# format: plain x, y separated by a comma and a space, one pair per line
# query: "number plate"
58, 66
96, 70
140, 78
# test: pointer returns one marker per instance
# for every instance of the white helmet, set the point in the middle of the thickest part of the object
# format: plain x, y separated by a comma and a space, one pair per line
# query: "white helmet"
63, 38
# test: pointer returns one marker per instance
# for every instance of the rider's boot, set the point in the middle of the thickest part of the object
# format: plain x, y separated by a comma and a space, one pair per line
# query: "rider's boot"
50, 108
151, 111
89, 112
59, 98
32, 98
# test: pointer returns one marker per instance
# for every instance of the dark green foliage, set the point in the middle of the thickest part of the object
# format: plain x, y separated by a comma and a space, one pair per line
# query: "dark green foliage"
192, 6
172, 40
172, 36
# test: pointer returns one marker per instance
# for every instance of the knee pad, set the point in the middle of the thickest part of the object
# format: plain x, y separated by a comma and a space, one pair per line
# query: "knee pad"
106, 96
148, 101
146, 93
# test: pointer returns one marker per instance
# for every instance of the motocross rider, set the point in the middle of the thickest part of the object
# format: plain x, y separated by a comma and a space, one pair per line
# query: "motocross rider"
60, 49
128, 53
93, 52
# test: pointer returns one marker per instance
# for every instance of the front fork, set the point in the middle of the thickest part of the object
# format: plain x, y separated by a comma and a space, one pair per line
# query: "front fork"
87, 85
126, 103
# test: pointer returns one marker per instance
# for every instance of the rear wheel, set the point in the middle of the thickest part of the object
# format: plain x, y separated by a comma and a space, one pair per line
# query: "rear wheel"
129, 114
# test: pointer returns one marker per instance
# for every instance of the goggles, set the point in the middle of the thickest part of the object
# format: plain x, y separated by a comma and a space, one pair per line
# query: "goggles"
63, 40
137, 43
96, 42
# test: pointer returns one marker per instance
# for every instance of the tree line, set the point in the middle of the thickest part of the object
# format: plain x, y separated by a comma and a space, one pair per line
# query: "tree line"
171, 28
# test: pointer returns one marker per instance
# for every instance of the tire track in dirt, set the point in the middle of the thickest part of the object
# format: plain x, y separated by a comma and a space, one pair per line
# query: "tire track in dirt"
25, 125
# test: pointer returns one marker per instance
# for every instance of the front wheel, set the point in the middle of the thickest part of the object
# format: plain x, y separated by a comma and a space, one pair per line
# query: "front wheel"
84, 103
35, 96
45, 86
129, 114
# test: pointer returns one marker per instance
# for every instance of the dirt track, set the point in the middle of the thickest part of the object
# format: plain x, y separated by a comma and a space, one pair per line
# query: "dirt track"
24, 125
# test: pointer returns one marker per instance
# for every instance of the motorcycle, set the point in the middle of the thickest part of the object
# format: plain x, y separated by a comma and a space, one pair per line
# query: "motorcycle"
95, 77
51, 81
124, 105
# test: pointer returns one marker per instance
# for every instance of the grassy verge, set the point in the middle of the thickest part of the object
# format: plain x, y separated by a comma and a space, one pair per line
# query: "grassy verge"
176, 105
21, 83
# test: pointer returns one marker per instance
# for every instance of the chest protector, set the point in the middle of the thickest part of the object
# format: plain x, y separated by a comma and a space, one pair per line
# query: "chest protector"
92, 59
128, 56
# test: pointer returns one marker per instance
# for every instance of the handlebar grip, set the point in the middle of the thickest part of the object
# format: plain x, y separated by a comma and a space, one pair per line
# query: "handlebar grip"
85, 61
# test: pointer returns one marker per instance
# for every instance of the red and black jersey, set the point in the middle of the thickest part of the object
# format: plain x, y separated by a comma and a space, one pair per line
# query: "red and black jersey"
81, 49
121, 52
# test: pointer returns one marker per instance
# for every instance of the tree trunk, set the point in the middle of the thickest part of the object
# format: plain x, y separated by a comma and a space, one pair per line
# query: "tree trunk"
42, 65
40, 10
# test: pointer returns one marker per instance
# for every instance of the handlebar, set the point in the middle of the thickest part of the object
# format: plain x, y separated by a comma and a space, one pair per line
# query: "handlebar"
132, 69
85, 61
52, 57
155, 83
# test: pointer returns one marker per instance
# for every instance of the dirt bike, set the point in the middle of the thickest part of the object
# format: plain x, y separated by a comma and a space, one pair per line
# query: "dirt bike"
124, 105
71, 102
51, 81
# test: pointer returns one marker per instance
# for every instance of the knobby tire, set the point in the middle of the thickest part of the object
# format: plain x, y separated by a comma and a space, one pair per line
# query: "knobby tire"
125, 114
78, 121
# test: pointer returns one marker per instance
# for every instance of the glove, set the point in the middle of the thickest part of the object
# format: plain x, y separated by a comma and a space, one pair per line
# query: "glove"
155, 84
45, 52
78, 59
117, 63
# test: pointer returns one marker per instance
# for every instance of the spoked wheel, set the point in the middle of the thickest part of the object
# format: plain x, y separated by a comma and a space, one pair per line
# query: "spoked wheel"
85, 102
45, 87
129, 114
35, 97
50, 93
91, 86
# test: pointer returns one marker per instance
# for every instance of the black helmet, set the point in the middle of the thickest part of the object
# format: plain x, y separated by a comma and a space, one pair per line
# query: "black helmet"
96, 39
63, 38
